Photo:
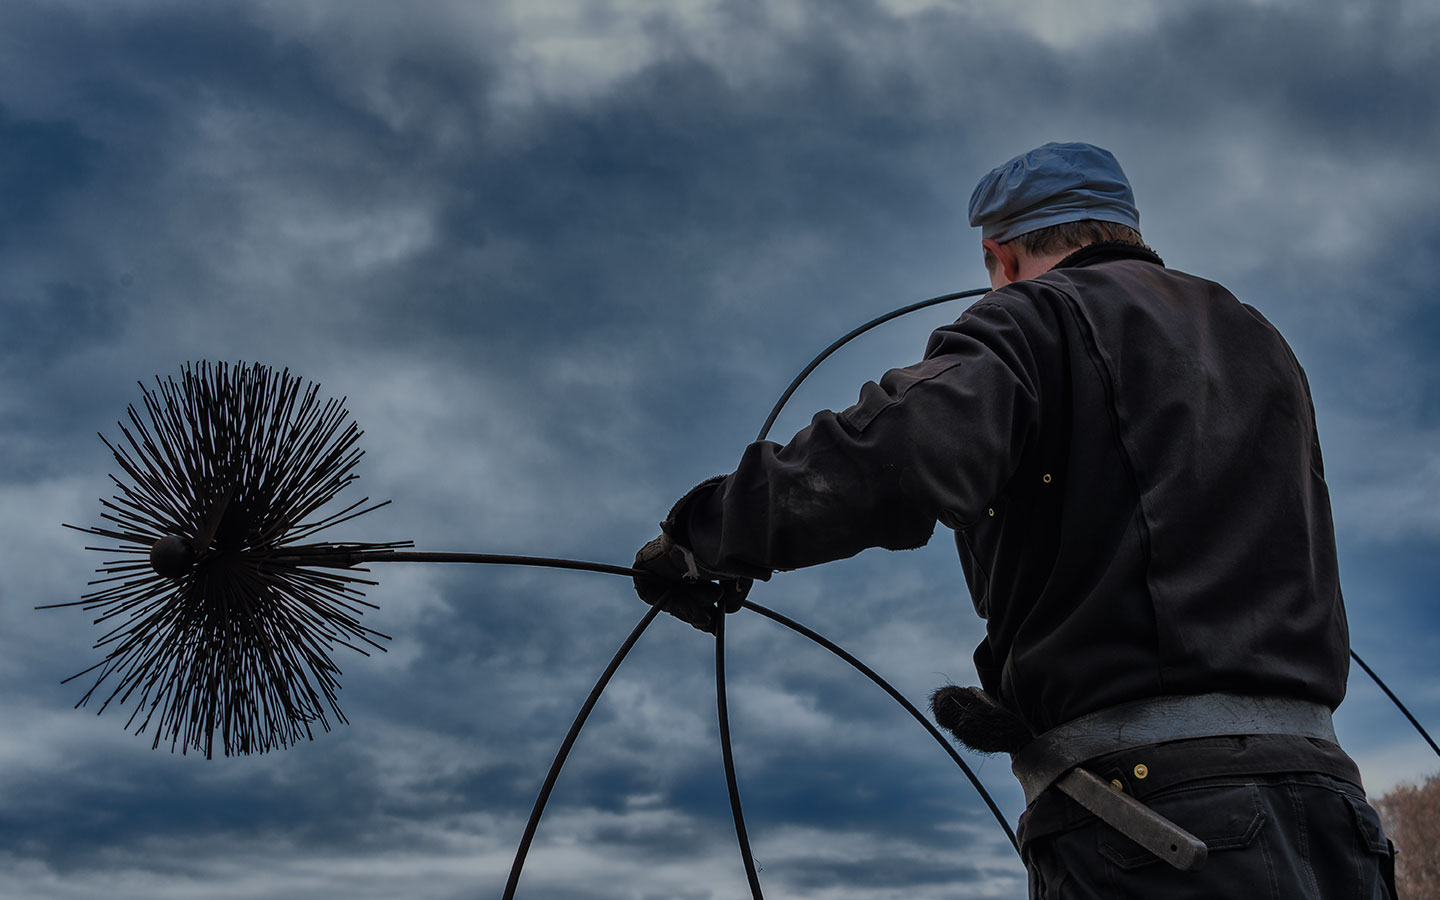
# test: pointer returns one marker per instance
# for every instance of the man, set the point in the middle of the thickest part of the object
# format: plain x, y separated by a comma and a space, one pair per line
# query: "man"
1128, 458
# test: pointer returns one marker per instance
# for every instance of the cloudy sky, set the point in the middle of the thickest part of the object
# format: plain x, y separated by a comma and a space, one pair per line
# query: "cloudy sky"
562, 256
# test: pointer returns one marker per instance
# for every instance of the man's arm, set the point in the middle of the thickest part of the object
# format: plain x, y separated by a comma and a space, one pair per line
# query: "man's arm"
936, 441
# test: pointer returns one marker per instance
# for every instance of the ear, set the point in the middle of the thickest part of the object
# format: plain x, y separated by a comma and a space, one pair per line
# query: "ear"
1007, 259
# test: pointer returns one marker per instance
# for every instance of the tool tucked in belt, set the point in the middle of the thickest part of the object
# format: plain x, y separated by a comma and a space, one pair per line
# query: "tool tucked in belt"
1053, 758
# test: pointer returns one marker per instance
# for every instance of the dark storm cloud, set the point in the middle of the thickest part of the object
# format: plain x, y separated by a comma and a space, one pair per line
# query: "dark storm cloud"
62, 318
556, 310
39, 161
66, 826
1354, 80
843, 790
44, 164
870, 873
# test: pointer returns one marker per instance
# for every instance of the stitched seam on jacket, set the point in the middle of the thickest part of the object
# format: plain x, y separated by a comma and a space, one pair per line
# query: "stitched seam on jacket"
861, 425
1104, 370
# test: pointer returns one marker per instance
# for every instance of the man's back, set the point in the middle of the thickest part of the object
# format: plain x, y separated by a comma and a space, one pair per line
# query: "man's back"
1167, 529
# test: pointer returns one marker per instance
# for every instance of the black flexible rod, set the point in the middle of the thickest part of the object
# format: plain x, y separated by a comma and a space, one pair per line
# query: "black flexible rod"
727, 756
825, 354
569, 742
1396, 700
899, 698
489, 558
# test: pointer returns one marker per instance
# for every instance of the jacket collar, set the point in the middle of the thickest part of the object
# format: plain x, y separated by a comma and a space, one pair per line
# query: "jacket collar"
1108, 251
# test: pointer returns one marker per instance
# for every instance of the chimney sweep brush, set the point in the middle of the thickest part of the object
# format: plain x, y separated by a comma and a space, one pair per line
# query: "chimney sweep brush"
222, 611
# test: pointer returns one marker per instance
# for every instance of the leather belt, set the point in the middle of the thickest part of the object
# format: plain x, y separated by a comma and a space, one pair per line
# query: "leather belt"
1053, 757
1157, 720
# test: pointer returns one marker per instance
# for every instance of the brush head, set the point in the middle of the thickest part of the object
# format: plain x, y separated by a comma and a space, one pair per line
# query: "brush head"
173, 557
223, 612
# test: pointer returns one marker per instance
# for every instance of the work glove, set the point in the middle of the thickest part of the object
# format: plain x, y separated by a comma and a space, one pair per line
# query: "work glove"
676, 583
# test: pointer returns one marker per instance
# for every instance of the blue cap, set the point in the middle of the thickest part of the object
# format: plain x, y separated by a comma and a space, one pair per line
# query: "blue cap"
1051, 185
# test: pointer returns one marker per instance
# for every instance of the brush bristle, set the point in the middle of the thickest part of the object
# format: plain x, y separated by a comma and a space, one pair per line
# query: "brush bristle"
218, 628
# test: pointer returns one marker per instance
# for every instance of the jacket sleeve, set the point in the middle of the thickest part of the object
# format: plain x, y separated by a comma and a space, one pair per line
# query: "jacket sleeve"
935, 441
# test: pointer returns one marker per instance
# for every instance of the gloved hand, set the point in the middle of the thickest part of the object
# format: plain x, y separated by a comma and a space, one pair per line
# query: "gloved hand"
978, 721
676, 583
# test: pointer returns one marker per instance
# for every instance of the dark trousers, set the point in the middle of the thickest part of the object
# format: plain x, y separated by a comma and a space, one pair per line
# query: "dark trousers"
1270, 836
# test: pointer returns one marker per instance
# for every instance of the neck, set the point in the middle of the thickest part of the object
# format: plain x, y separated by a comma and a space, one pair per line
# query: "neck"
1035, 266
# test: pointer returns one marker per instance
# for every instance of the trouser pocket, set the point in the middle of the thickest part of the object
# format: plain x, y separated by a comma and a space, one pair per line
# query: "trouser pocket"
1372, 838
1096, 862
1225, 818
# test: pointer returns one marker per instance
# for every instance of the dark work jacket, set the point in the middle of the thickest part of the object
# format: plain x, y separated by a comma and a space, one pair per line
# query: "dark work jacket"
1128, 457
